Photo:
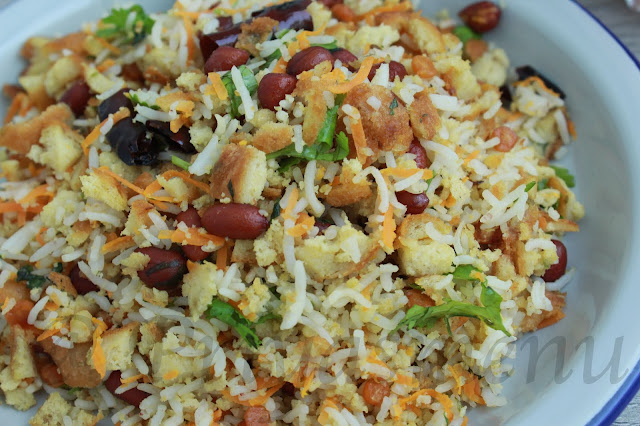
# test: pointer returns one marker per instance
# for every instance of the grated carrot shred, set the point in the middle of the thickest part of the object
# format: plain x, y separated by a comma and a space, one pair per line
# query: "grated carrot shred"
217, 86
291, 203
188, 25
193, 238
444, 400
304, 224
185, 177
120, 243
95, 133
10, 207
120, 179
388, 229
170, 375
97, 355
39, 238
471, 156
113, 49
405, 173
449, 202
536, 79
39, 191
106, 65
258, 400
308, 381
48, 333
360, 77
280, 66
132, 379
221, 257
359, 139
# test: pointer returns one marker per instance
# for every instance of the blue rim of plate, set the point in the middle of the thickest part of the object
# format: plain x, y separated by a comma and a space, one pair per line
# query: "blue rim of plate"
630, 387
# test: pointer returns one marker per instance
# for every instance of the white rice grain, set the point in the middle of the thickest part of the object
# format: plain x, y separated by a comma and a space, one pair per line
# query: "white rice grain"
294, 312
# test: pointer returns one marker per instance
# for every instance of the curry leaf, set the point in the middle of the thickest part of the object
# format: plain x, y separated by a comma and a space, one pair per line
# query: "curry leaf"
132, 24
33, 280
228, 315
393, 106
276, 210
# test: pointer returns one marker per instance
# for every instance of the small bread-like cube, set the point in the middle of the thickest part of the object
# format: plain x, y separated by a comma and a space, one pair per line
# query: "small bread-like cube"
64, 203
346, 192
150, 334
382, 36
165, 362
20, 137
272, 137
138, 218
384, 131
254, 32
457, 74
55, 408
243, 252
118, 346
268, 247
104, 188
59, 148
21, 365
545, 318
64, 71
199, 286
425, 120
426, 35
418, 258
246, 168
72, 363
97, 81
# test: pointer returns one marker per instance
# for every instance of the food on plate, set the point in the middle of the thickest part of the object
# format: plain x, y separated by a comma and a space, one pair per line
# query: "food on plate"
240, 211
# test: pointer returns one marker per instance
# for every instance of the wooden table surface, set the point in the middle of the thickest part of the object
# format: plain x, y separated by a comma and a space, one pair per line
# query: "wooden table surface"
626, 25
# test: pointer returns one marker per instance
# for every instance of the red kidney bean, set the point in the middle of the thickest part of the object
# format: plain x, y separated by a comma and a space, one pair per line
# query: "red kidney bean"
80, 283
164, 270
191, 218
224, 58
233, 220
416, 203
133, 396
421, 159
396, 69
77, 96
307, 59
257, 416
132, 72
345, 57
558, 269
290, 15
273, 88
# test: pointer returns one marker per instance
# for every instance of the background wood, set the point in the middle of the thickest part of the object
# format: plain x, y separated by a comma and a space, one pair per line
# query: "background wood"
625, 24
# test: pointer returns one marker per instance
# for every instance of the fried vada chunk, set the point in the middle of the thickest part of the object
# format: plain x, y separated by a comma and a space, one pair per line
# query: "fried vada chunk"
388, 127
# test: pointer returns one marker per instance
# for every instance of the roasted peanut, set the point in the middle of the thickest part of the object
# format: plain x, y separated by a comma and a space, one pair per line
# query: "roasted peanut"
307, 59
396, 69
482, 16
273, 88
80, 282
374, 391
164, 270
508, 138
416, 297
133, 396
421, 155
345, 57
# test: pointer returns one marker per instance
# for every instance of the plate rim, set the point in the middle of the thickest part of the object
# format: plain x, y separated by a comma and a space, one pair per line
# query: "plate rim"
615, 405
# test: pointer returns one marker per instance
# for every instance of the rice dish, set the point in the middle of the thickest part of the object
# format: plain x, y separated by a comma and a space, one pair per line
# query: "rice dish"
293, 213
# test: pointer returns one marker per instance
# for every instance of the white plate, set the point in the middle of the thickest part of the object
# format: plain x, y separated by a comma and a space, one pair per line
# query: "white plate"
602, 82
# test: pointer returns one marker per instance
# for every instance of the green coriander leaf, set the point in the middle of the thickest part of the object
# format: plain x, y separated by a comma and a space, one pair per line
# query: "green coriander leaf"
543, 184
329, 46
249, 81
529, 186
135, 100
564, 174
132, 25
33, 280
464, 272
465, 33
180, 162
393, 106
276, 210
228, 315
268, 317
446, 419
282, 33
489, 313
415, 286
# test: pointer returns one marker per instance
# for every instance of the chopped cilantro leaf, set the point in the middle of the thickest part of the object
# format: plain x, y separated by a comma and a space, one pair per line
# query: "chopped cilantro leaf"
564, 174
132, 24
393, 106
228, 315
529, 186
